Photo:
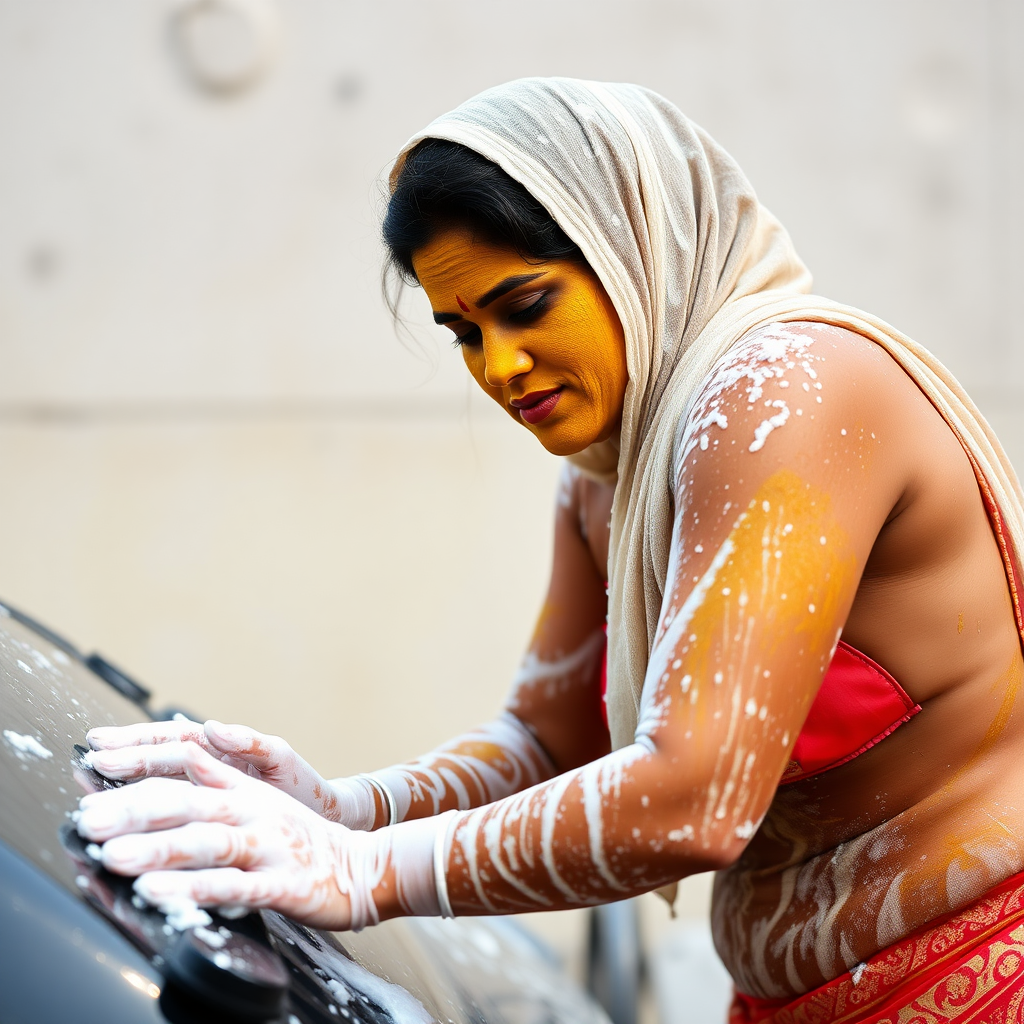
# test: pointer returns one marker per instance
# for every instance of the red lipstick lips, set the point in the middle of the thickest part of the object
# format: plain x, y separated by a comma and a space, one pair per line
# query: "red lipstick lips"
537, 405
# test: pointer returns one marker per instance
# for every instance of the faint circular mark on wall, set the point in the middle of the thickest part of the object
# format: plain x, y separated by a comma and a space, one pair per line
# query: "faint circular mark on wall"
348, 88
42, 263
225, 47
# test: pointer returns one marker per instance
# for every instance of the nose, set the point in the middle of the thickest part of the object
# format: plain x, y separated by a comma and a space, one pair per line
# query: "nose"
504, 360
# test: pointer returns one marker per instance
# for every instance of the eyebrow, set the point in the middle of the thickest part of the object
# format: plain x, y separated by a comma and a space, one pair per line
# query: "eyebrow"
489, 296
506, 286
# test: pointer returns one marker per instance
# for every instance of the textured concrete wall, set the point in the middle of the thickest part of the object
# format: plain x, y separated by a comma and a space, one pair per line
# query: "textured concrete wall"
218, 465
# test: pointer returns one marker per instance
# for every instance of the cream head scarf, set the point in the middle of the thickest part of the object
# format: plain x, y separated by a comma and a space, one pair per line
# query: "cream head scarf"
691, 262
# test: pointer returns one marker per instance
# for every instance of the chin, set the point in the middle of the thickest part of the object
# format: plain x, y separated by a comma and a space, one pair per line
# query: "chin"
560, 441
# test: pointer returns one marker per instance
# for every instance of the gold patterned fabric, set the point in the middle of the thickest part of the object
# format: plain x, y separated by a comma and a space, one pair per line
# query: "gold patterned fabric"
967, 968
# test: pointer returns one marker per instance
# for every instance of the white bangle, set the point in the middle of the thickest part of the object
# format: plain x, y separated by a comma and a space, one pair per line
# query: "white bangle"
386, 796
445, 829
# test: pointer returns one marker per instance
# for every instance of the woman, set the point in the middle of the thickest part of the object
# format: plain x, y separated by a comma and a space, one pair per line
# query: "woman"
752, 472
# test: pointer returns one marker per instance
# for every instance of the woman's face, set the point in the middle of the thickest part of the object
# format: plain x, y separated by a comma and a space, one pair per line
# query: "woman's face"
542, 339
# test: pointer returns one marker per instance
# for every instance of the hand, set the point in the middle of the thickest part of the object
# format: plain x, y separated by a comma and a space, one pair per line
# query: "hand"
228, 840
159, 749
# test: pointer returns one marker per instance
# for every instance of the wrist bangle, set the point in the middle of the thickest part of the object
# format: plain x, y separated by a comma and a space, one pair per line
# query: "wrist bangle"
387, 798
445, 829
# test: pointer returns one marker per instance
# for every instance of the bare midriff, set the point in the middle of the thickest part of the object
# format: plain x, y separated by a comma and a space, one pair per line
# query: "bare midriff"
848, 863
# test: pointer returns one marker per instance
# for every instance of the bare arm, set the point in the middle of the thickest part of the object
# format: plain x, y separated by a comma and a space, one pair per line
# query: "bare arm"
552, 720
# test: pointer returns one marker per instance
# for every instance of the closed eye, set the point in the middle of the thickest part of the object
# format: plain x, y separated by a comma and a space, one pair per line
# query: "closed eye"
532, 312
470, 337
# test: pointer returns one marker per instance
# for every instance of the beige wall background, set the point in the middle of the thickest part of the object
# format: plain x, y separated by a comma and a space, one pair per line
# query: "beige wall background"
218, 465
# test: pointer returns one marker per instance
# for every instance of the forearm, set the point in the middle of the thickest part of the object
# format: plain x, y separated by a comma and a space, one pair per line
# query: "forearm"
609, 830
488, 763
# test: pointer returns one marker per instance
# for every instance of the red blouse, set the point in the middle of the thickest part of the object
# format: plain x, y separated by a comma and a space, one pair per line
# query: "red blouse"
858, 705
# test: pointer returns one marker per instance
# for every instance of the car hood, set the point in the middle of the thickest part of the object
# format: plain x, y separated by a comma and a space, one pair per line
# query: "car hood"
80, 931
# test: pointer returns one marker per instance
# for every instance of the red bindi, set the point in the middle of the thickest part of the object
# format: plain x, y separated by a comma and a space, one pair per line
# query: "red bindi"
462, 305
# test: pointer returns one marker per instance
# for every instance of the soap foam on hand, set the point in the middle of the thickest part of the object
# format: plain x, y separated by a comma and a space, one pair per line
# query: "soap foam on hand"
183, 913
161, 749
235, 842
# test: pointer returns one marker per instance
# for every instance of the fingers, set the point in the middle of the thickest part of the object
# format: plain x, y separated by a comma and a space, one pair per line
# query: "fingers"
155, 804
165, 759
146, 734
269, 754
210, 887
160, 749
199, 844
205, 770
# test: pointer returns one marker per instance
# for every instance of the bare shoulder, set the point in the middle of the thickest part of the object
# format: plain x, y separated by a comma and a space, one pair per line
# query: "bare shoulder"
812, 399
584, 512
575, 600
803, 376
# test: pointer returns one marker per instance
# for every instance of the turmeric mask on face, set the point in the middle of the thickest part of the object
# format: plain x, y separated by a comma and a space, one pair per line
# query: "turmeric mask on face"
542, 339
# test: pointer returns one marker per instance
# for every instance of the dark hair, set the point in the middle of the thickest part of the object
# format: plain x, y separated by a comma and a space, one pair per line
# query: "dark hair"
444, 184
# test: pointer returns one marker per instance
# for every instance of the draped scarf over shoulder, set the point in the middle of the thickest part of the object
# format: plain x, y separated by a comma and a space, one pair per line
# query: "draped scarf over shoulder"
691, 262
